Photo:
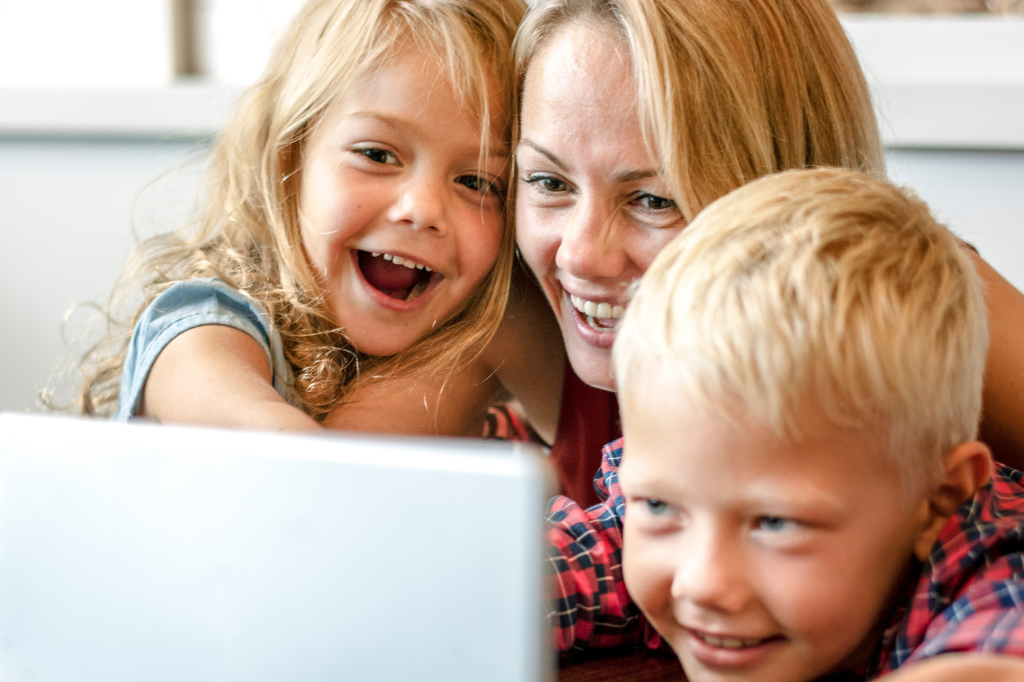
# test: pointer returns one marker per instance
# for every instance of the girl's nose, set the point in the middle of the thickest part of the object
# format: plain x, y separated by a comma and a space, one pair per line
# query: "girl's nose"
420, 204
709, 574
592, 245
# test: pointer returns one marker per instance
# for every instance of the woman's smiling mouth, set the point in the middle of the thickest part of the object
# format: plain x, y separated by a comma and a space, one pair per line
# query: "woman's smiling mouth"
595, 321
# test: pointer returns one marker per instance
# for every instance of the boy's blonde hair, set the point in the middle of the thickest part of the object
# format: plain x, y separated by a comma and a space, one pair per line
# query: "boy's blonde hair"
250, 234
730, 91
823, 289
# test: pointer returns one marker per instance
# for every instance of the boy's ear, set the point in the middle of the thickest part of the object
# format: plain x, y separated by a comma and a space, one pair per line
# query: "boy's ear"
967, 468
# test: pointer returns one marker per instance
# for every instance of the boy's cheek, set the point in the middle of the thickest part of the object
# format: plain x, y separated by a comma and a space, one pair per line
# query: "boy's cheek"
648, 575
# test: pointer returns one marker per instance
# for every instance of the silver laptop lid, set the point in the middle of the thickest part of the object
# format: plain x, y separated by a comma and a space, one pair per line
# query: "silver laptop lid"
139, 552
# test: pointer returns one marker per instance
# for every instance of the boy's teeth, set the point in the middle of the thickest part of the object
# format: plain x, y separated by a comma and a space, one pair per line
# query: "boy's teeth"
398, 260
728, 642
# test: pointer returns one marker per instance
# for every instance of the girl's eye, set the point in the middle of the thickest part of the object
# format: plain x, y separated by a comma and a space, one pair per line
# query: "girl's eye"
655, 203
478, 184
378, 155
776, 524
548, 183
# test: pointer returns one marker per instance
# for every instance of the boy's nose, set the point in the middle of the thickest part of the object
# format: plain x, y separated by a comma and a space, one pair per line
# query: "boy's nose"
710, 574
420, 204
592, 245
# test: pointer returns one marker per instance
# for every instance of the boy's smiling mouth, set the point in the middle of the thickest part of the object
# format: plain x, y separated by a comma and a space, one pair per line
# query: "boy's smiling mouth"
724, 652
396, 277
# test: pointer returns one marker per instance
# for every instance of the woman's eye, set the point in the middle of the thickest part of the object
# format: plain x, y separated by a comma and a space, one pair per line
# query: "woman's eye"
478, 184
776, 524
378, 155
548, 183
654, 202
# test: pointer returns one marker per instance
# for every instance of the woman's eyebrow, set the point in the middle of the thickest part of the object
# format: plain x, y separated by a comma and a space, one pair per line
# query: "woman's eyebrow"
548, 155
622, 177
633, 176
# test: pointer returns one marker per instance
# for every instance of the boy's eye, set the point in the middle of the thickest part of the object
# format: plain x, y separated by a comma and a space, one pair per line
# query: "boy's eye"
478, 184
548, 183
776, 524
378, 155
654, 202
656, 507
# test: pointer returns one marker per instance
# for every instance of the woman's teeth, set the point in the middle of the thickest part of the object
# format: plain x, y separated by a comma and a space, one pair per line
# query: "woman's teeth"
597, 312
398, 260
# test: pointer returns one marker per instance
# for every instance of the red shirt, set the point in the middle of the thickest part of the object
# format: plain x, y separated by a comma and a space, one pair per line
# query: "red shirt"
589, 418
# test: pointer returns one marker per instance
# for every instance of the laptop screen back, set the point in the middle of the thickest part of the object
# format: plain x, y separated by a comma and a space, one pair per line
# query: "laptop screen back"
141, 552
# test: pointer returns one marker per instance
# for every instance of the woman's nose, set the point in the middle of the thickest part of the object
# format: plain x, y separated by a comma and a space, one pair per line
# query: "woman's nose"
420, 203
592, 245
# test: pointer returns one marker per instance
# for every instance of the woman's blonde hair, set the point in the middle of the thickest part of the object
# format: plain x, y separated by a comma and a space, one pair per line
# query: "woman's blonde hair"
250, 237
819, 289
730, 90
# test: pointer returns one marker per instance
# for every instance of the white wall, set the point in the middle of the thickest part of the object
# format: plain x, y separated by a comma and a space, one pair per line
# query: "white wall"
67, 212
977, 194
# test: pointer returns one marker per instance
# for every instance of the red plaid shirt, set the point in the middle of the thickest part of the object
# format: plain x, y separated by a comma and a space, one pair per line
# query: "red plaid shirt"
969, 596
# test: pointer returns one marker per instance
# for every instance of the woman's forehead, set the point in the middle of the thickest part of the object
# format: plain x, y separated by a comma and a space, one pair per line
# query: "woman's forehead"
582, 68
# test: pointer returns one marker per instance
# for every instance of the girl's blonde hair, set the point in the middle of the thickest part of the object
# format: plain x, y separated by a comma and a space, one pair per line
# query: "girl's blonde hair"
250, 234
730, 90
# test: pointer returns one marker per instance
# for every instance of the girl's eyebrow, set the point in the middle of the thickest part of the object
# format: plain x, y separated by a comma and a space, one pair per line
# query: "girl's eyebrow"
389, 121
416, 128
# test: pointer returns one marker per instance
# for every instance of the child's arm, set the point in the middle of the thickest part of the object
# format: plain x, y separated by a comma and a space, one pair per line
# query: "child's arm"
447, 405
528, 355
217, 375
963, 668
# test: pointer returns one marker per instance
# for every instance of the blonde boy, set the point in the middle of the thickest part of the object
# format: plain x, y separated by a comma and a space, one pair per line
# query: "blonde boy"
800, 378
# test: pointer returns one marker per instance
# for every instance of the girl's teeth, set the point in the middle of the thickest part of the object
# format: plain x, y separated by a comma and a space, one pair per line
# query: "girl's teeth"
398, 260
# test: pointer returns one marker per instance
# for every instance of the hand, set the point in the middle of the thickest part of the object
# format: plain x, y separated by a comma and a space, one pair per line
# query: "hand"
963, 668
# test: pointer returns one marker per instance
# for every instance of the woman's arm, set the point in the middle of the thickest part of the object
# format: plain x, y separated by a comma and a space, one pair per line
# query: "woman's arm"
528, 355
219, 376
1002, 425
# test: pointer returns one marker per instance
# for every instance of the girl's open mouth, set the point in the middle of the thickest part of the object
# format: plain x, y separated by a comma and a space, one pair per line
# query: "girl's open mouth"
396, 277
